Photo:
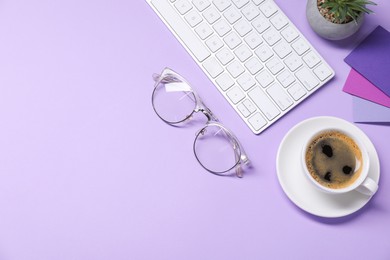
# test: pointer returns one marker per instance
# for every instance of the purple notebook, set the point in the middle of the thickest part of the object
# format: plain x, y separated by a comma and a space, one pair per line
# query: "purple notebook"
359, 86
365, 111
371, 58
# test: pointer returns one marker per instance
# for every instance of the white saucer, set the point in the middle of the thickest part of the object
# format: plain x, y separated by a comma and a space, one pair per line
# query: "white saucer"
298, 187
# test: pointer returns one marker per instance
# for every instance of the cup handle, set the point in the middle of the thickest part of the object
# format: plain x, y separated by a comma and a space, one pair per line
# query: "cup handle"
368, 187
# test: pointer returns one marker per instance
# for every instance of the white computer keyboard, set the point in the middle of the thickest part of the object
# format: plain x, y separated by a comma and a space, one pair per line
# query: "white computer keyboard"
251, 51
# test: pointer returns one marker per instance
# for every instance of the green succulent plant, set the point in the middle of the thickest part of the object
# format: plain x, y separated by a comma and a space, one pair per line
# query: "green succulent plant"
344, 11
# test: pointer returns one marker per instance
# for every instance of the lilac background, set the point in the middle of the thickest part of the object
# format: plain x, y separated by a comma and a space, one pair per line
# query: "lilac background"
88, 171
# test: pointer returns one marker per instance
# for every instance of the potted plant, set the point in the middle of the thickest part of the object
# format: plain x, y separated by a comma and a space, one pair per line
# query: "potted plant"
336, 19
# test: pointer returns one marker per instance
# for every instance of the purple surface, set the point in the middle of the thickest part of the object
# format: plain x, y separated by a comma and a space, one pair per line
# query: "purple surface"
359, 86
371, 58
365, 111
88, 171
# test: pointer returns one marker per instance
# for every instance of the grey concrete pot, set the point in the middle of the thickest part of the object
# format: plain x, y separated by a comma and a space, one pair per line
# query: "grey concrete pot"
329, 30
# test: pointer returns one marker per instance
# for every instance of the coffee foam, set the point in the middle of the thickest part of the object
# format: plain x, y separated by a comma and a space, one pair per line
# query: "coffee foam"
328, 166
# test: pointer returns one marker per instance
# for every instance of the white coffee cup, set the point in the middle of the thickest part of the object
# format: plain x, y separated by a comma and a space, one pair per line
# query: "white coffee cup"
362, 184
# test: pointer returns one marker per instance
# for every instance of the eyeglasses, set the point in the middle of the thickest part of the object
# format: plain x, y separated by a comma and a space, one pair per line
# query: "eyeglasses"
215, 147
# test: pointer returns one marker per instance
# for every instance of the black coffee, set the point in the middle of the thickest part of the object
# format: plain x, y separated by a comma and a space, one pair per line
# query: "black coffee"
334, 159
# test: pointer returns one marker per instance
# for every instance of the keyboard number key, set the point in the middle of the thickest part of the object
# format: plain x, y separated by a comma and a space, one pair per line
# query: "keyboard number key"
263, 102
232, 15
246, 81
204, 30
289, 34
257, 121
211, 15
225, 56
235, 94
222, 4
253, 65
311, 59
300, 46
322, 72
285, 78
268, 8
243, 53
183, 6
212, 67
280, 97
224, 81
243, 110
201, 5
232, 40
307, 78
264, 78
214, 43
235, 69
193, 18
279, 21
253, 40
297, 91
264, 52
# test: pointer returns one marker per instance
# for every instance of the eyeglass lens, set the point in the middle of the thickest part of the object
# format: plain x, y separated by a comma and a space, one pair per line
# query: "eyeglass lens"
173, 100
214, 149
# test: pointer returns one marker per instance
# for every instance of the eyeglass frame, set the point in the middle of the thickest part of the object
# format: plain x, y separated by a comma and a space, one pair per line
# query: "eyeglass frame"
212, 120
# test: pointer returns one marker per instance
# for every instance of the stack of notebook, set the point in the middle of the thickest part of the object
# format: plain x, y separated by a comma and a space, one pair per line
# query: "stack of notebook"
369, 79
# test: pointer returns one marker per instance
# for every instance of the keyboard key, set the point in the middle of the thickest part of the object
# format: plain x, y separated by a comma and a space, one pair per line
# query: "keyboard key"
264, 78
211, 15
293, 62
222, 27
243, 53
183, 6
243, 27
184, 32
249, 105
232, 40
201, 5
264, 52
268, 8
300, 46
224, 81
257, 2
285, 78
297, 91
193, 18
235, 94
212, 66
279, 21
322, 72
243, 110
279, 96
253, 65
214, 43
311, 59
257, 121
253, 40
204, 30
261, 24
240, 3
263, 102
271, 36
222, 4
246, 81
235, 69
225, 56
274, 65
232, 15
282, 49
289, 34
250, 12
307, 78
